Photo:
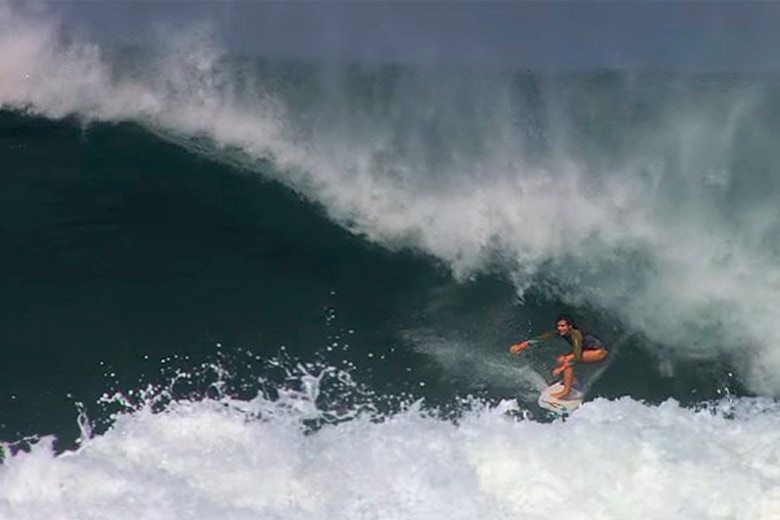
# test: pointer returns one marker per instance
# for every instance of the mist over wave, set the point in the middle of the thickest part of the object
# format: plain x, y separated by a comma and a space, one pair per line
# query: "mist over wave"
652, 197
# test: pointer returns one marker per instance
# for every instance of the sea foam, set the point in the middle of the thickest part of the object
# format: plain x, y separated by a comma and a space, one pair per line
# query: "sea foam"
227, 459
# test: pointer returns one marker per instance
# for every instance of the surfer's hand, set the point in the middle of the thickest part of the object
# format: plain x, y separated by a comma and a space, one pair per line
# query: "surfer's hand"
560, 369
562, 360
518, 347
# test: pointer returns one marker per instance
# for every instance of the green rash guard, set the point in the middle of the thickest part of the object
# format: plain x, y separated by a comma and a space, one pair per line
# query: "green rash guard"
574, 338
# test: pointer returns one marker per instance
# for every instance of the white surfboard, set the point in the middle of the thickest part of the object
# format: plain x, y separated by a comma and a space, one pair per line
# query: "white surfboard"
561, 406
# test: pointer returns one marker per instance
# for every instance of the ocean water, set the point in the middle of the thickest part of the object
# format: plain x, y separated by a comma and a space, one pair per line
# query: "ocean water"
240, 288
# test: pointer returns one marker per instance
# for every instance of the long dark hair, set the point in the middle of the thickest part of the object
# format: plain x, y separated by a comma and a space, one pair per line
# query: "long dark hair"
568, 320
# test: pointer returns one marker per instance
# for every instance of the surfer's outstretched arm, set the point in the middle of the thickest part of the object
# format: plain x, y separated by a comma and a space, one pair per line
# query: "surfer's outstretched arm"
519, 347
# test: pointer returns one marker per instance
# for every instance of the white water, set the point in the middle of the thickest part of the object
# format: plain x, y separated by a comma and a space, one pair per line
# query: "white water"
650, 232
209, 460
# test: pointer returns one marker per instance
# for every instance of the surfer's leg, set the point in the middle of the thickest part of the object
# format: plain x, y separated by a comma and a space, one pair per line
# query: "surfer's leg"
568, 380
594, 355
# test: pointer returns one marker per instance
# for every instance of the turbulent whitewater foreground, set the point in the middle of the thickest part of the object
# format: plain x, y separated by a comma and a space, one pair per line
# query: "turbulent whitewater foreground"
210, 459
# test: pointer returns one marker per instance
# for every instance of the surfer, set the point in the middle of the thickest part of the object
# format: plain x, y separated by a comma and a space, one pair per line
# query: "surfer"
586, 348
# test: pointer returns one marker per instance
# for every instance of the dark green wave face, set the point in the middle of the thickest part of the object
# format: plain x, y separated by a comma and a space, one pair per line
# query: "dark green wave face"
170, 208
131, 259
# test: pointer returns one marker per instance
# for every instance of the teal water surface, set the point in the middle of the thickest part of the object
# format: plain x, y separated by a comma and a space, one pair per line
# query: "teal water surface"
128, 258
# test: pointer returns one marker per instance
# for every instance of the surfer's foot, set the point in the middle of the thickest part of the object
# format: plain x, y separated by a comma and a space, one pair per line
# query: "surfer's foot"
563, 394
